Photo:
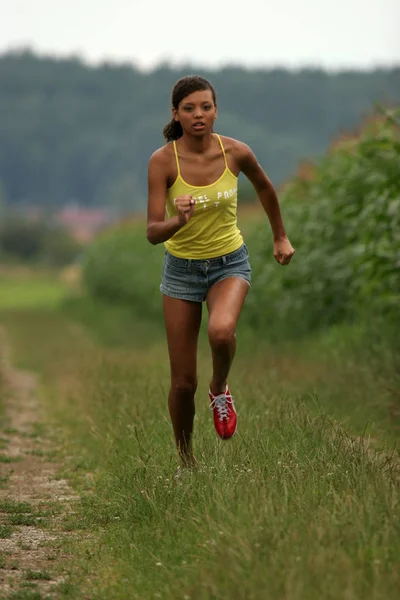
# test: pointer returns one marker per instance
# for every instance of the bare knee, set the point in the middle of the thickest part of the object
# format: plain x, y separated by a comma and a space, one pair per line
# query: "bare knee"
184, 386
221, 334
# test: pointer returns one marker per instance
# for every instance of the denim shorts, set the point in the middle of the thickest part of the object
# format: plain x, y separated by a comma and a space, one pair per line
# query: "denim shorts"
191, 279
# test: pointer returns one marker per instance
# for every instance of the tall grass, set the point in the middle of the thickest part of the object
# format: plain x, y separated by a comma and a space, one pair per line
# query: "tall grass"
293, 507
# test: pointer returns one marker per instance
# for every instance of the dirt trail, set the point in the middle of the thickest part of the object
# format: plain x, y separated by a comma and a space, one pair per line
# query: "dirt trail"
31, 534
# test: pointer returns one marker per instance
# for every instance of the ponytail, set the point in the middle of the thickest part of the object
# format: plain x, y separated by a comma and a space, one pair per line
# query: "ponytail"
172, 131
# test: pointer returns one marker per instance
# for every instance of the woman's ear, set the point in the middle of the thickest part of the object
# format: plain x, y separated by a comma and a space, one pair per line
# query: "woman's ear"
175, 114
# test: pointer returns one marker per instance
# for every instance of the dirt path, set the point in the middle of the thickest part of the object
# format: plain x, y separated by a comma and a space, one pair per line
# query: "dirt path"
34, 502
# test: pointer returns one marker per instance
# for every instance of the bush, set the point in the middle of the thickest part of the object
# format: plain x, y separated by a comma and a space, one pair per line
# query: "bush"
345, 225
121, 266
36, 242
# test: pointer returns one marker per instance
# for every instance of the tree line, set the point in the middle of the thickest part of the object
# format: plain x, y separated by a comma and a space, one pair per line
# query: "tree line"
70, 132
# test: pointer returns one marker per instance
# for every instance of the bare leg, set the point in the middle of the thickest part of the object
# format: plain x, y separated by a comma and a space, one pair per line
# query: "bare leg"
224, 301
182, 323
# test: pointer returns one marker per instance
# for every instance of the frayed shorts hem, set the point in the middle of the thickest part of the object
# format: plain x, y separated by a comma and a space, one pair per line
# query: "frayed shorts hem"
191, 297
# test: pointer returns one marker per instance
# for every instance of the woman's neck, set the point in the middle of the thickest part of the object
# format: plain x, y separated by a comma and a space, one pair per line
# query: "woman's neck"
197, 145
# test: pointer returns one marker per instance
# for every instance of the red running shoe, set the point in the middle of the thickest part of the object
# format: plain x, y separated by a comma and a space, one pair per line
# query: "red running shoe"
225, 417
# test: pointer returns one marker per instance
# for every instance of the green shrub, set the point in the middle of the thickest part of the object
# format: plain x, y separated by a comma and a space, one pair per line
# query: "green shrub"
122, 267
345, 226
35, 242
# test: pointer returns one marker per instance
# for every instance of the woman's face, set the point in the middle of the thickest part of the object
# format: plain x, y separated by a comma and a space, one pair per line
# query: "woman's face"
196, 113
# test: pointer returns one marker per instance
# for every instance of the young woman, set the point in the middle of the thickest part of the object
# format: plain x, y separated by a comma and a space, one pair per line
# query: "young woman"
192, 202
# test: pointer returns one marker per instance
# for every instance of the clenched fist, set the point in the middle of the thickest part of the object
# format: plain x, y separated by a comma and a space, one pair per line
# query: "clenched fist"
283, 251
185, 206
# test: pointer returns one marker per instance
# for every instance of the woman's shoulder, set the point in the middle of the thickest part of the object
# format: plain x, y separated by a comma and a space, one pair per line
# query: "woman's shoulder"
162, 156
239, 150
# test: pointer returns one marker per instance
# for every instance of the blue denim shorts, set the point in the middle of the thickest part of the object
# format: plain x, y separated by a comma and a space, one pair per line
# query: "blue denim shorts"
191, 279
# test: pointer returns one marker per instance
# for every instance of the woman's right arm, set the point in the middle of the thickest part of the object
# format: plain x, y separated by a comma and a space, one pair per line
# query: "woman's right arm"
160, 229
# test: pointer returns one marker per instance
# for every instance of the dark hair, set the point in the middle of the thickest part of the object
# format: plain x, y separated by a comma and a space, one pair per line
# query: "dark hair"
183, 87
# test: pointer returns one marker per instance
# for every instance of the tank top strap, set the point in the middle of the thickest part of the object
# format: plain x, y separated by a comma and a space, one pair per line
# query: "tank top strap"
176, 158
223, 150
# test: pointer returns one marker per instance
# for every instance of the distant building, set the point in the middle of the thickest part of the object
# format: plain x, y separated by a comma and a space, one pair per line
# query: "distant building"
83, 223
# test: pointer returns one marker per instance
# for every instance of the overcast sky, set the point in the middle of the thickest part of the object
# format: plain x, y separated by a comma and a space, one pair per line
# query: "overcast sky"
334, 34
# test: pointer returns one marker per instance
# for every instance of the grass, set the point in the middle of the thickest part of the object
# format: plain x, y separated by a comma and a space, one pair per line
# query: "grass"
26, 520
5, 531
294, 507
39, 291
9, 459
27, 595
10, 430
7, 505
37, 576
300, 505
14, 513
4, 479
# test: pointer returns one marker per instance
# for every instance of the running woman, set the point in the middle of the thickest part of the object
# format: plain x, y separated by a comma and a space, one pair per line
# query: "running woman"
192, 209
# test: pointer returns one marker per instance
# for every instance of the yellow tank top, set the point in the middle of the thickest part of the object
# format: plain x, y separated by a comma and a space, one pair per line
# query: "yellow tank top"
212, 229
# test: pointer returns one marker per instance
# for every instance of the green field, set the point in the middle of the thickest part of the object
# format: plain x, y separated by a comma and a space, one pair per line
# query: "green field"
297, 506
29, 291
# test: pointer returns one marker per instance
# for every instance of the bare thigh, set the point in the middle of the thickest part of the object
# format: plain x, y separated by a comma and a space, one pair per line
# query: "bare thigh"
225, 302
182, 323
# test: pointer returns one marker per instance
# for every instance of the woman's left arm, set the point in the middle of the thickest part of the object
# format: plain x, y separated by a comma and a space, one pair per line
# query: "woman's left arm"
248, 164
